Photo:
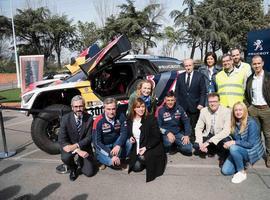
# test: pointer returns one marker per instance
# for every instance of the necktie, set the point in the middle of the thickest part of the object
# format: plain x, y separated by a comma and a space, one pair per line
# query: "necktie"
79, 125
188, 81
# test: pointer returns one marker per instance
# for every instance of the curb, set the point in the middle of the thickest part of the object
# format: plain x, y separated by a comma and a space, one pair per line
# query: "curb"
11, 104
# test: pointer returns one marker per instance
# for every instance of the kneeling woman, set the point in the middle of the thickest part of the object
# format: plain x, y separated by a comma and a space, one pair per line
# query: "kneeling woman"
147, 151
245, 146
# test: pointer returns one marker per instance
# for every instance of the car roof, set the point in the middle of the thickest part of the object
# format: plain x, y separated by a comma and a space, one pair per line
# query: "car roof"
150, 57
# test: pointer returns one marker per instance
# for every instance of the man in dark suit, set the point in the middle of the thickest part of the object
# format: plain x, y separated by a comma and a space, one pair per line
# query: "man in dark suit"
75, 139
191, 93
258, 97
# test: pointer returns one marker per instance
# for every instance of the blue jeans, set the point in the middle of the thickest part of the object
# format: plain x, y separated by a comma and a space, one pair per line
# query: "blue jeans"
186, 148
107, 160
236, 160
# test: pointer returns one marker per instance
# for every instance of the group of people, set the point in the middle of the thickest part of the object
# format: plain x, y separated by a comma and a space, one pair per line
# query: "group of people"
206, 115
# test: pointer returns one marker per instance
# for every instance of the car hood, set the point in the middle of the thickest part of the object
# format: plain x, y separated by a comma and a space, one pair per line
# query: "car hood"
115, 50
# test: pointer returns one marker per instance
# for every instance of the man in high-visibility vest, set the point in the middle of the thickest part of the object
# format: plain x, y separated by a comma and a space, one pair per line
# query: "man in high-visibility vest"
239, 64
230, 83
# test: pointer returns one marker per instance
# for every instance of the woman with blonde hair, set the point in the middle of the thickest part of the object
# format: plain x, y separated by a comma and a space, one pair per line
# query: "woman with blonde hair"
147, 149
144, 90
245, 145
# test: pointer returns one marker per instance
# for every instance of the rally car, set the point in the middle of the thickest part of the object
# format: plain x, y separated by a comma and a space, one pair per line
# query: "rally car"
110, 73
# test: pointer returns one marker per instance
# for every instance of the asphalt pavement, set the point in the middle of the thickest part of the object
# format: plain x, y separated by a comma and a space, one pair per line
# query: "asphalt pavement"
31, 174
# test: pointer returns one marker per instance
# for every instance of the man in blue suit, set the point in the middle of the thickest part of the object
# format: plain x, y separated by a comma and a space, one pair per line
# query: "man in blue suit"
191, 93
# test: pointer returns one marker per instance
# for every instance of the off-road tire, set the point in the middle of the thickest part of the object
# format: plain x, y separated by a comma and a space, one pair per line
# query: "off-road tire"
45, 128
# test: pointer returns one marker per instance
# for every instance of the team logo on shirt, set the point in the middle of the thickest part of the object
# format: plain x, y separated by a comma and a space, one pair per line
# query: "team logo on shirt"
117, 125
106, 127
177, 114
167, 116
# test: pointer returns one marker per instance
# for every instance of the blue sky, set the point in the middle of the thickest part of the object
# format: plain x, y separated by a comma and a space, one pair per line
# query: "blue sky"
84, 10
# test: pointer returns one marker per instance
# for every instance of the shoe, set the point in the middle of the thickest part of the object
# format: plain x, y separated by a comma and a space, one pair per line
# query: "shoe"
62, 169
202, 155
102, 167
210, 155
186, 153
73, 175
172, 152
116, 167
220, 163
267, 162
173, 149
239, 177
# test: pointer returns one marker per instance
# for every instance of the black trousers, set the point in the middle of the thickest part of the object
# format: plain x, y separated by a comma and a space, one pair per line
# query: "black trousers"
139, 164
214, 149
87, 166
193, 117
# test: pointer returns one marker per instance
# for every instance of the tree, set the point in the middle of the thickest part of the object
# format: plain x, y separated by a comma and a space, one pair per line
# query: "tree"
5, 32
32, 32
88, 33
219, 24
172, 39
61, 34
188, 23
40, 32
141, 27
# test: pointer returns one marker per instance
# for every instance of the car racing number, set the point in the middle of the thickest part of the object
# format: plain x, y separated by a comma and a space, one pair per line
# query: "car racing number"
95, 111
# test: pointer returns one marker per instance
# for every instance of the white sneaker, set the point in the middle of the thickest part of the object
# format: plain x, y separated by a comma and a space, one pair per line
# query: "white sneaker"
239, 177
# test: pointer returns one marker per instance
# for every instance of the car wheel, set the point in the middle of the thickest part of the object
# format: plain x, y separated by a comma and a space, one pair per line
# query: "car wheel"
45, 129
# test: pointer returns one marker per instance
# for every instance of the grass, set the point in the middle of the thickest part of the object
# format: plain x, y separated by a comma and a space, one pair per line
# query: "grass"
12, 95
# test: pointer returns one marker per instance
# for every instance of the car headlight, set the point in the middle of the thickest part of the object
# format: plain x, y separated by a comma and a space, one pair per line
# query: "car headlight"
27, 97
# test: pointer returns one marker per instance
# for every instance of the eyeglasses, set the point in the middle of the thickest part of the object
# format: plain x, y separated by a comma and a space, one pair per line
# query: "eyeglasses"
213, 101
78, 106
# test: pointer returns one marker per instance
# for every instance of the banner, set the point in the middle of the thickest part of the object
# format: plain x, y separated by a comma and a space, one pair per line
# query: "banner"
259, 44
31, 68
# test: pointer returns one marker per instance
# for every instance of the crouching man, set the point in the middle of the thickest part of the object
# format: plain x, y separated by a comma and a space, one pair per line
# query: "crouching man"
170, 117
110, 136
75, 139
212, 128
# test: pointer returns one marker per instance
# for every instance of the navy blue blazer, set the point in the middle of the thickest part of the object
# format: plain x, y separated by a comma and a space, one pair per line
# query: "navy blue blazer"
190, 98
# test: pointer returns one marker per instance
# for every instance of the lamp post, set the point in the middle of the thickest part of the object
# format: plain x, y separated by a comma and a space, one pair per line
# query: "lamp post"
15, 47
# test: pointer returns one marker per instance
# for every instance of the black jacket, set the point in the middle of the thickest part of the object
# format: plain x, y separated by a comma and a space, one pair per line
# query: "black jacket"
266, 86
69, 134
155, 157
190, 98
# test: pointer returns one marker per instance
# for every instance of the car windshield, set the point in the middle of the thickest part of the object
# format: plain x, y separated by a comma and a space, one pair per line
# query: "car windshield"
80, 76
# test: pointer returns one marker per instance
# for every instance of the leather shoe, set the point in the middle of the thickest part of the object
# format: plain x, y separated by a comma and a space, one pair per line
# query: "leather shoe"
73, 175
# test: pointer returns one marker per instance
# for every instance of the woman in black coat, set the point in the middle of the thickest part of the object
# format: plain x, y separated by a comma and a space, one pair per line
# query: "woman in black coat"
147, 151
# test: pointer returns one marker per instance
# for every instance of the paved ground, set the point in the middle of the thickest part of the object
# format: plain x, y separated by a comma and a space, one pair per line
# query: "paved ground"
30, 174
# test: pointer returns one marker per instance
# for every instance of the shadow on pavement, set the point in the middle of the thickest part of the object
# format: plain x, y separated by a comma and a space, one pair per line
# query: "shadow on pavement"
45, 192
80, 197
10, 169
22, 147
8, 118
9, 192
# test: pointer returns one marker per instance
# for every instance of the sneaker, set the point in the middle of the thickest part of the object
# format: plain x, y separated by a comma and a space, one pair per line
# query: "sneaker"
239, 177
102, 167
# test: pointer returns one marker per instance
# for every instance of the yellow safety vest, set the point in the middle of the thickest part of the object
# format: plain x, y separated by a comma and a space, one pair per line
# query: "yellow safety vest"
230, 88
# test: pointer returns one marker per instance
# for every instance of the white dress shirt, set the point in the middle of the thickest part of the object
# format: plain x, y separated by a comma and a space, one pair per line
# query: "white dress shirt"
257, 90
137, 132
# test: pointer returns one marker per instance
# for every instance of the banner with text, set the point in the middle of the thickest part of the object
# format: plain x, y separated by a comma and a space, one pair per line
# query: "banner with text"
259, 44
